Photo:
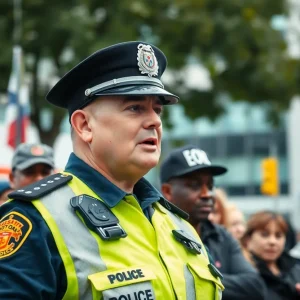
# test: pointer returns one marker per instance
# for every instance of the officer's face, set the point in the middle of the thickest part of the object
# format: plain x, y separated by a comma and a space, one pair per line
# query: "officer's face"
193, 194
126, 135
30, 175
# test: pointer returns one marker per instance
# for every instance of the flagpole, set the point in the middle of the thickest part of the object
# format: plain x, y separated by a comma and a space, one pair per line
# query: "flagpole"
17, 42
17, 22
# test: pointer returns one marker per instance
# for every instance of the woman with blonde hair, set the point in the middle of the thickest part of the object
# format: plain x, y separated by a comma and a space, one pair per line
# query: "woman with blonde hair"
219, 214
265, 238
235, 221
228, 214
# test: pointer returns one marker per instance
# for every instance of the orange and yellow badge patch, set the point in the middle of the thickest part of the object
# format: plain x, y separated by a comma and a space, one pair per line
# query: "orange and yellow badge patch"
14, 230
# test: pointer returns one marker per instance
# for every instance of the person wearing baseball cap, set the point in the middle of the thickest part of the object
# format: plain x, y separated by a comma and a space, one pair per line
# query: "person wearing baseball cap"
187, 180
30, 163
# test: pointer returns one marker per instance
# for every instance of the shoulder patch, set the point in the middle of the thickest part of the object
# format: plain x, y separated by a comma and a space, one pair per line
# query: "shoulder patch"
41, 188
14, 230
173, 208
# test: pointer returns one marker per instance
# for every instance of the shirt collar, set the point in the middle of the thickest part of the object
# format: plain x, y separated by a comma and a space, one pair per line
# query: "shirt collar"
106, 190
146, 193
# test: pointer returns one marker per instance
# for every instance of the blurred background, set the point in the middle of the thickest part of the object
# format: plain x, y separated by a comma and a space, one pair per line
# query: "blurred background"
235, 65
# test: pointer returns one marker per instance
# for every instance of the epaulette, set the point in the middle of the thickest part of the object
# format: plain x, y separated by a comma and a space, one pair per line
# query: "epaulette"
40, 188
173, 208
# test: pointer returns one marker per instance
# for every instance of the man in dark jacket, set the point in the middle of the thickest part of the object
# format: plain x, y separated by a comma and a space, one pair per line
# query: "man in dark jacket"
187, 181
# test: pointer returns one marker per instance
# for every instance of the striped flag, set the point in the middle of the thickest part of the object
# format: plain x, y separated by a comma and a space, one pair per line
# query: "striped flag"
17, 112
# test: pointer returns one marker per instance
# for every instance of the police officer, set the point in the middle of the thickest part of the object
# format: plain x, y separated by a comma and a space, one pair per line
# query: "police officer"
99, 230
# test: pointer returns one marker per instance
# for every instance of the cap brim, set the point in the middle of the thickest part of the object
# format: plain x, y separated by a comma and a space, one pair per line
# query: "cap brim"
34, 161
138, 90
213, 169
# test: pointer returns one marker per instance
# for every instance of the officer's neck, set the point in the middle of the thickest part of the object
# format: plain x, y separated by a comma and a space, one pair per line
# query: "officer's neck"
123, 181
125, 185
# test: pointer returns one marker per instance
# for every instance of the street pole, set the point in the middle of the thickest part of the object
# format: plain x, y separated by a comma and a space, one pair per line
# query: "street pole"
17, 35
273, 150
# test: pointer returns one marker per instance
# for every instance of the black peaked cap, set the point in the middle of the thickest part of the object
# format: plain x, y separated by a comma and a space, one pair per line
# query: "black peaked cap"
130, 68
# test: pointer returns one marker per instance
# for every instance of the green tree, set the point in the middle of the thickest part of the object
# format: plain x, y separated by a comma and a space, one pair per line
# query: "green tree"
246, 58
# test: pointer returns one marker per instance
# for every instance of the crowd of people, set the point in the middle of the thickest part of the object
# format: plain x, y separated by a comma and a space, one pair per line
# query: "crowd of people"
100, 230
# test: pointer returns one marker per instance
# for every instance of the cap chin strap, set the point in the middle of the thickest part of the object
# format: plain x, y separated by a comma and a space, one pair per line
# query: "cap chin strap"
130, 80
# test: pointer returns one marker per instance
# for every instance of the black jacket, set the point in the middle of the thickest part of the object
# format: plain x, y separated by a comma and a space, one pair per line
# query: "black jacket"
281, 287
241, 280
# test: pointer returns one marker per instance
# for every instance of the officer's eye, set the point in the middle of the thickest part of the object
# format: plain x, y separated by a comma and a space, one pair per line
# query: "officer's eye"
159, 110
135, 108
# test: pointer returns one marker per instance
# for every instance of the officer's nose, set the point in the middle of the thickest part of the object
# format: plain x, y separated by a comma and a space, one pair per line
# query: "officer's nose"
153, 120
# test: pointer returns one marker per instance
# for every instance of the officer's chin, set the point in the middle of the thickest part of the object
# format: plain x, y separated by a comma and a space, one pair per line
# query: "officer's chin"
150, 162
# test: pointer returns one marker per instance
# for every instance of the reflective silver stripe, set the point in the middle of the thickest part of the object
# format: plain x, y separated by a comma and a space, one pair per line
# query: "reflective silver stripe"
141, 290
190, 284
178, 221
137, 80
189, 279
58, 205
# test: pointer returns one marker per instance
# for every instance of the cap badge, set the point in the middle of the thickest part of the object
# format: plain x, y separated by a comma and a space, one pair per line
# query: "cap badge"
147, 61
37, 151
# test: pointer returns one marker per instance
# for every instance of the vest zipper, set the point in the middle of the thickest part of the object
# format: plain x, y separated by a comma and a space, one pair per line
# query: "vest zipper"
167, 274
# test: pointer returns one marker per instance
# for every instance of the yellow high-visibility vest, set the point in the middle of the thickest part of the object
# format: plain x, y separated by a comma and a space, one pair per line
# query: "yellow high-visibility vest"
148, 264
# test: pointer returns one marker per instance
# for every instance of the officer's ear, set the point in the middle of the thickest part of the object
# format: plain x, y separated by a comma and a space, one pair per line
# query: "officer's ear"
166, 189
80, 123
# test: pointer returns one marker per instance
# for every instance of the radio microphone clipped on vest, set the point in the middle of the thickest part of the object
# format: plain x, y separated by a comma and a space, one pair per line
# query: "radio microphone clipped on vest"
188, 242
98, 217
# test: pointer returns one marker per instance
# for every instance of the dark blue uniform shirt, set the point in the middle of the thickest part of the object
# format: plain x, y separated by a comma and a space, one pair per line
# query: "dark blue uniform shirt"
36, 271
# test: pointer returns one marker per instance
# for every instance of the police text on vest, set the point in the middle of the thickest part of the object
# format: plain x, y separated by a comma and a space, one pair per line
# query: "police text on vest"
127, 275
141, 295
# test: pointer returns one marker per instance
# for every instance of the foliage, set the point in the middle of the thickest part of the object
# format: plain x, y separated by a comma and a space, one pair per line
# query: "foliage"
233, 39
